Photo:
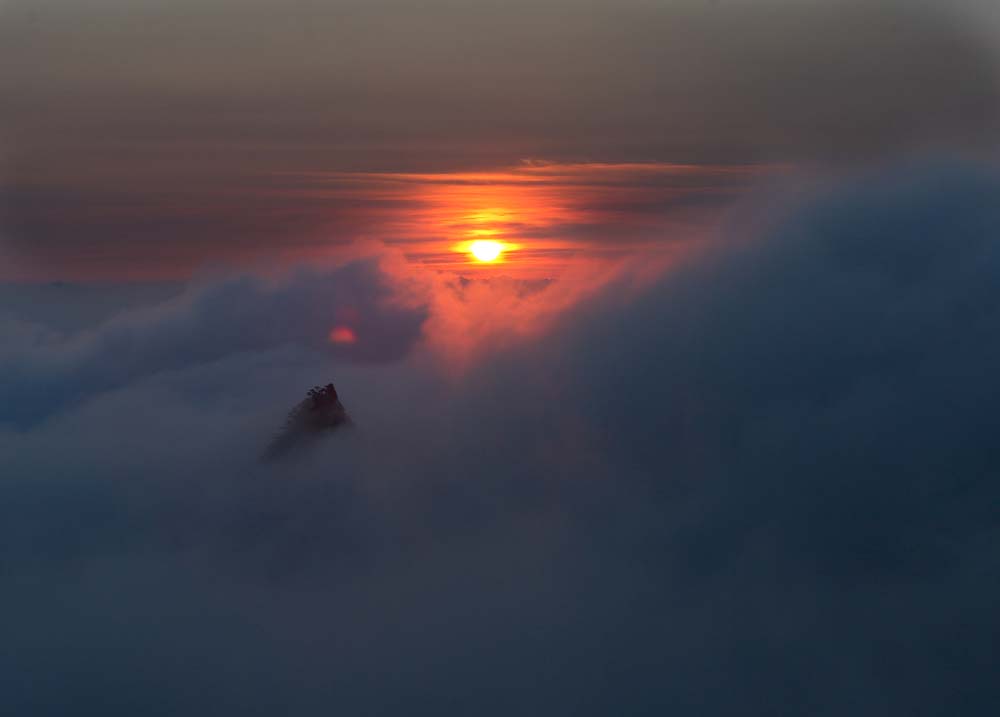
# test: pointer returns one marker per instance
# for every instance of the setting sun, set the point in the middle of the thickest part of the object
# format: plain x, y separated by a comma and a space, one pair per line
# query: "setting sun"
485, 250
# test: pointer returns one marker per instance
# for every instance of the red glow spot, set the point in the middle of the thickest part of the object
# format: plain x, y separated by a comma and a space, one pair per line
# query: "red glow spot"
343, 335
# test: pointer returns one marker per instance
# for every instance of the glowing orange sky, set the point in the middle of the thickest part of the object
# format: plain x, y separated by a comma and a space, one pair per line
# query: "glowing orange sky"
545, 214
567, 230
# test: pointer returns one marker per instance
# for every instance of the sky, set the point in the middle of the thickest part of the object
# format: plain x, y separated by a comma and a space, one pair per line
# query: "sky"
667, 331
149, 138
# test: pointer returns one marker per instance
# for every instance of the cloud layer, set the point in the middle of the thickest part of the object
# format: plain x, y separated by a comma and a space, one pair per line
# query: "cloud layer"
762, 486
312, 309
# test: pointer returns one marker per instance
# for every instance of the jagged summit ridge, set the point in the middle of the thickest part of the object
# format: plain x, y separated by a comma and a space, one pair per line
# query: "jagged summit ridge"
319, 413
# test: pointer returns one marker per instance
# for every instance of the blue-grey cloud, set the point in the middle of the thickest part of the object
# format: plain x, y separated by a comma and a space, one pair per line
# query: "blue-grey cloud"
43, 370
765, 486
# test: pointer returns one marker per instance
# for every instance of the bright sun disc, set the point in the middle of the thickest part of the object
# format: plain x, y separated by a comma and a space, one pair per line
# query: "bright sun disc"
485, 250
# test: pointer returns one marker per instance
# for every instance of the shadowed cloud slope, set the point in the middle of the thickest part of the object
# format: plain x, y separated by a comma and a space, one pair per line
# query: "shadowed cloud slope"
764, 485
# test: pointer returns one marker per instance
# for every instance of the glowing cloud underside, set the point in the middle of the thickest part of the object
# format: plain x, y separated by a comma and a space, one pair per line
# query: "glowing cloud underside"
538, 219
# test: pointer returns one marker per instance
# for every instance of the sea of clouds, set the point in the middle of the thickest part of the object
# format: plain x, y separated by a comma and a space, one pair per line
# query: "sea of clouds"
765, 484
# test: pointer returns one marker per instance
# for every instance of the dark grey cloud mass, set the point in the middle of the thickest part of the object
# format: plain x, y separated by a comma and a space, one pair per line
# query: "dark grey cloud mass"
765, 486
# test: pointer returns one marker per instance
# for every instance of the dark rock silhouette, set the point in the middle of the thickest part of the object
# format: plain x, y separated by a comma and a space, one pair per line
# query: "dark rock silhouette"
320, 413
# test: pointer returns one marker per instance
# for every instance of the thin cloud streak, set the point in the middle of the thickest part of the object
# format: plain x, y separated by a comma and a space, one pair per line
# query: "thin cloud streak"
548, 213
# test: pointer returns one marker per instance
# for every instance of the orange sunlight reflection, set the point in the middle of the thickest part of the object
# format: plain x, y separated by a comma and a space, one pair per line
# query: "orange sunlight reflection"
542, 216
500, 255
